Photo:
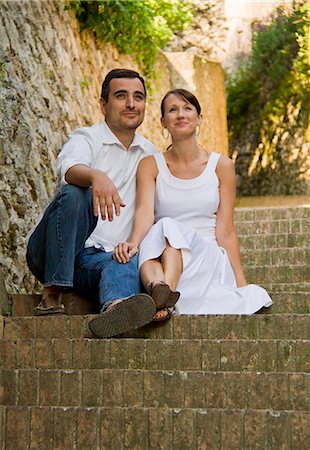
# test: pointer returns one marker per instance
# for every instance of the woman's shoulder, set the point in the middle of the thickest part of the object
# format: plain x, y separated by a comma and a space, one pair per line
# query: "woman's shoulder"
224, 162
148, 163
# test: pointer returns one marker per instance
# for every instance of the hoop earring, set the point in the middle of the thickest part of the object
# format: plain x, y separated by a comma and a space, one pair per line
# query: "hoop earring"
165, 136
197, 132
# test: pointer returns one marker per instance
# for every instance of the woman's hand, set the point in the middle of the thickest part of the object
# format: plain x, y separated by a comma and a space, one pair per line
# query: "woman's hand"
124, 251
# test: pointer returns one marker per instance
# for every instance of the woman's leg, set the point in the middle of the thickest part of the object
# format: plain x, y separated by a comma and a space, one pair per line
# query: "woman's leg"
172, 265
167, 268
151, 271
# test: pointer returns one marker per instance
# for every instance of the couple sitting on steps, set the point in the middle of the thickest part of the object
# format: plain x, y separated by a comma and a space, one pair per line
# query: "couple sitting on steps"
145, 233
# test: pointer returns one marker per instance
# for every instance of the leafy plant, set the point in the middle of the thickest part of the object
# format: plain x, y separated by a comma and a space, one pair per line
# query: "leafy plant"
136, 27
265, 92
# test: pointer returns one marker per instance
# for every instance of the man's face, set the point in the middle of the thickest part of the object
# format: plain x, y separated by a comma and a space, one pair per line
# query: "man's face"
125, 107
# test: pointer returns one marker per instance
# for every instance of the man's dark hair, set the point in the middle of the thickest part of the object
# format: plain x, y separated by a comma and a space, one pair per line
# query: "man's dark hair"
184, 95
118, 73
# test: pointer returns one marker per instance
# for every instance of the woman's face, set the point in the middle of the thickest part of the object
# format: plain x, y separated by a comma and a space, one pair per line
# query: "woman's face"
181, 117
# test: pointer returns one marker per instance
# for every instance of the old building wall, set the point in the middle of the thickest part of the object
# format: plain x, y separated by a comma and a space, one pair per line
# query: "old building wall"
50, 81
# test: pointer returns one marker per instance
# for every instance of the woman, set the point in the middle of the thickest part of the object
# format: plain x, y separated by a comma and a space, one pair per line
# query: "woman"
191, 254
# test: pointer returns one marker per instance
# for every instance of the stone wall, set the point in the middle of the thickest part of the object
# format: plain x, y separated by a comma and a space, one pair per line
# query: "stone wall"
50, 81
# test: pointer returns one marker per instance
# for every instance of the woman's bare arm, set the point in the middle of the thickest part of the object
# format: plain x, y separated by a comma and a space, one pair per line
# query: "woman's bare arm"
225, 230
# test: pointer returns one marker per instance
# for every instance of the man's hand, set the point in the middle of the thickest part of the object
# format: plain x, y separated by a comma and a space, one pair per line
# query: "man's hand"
105, 196
124, 251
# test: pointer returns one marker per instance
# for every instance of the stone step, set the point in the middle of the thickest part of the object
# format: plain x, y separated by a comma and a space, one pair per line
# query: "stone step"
264, 355
87, 428
155, 388
294, 301
277, 241
286, 288
293, 214
259, 326
276, 257
273, 226
278, 274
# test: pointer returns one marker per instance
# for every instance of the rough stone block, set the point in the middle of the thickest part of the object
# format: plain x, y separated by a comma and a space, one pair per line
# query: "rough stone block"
52, 327
160, 429
136, 354
112, 387
43, 354
278, 428
70, 390
81, 353
191, 355
255, 430
112, 429
279, 398
28, 387
65, 422
87, 436
41, 431
25, 353
235, 390
300, 430
171, 358
231, 429
8, 387
62, 353
101, 353
248, 355
17, 428
19, 328
215, 390
153, 389
194, 390
7, 354
210, 355
184, 436
133, 388
49, 387
257, 388
174, 389
299, 391
208, 429
119, 353
286, 356
136, 428
91, 388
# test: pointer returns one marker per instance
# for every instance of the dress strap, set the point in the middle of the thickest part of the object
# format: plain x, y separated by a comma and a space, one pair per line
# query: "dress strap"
161, 163
213, 160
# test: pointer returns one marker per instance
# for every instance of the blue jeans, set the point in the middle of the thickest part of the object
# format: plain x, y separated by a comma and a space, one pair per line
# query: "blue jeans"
57, 257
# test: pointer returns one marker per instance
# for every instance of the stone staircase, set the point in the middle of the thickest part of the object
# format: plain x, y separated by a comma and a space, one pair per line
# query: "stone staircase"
200, 382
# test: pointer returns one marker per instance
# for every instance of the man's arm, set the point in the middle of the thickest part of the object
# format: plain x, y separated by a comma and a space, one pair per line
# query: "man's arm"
105, 194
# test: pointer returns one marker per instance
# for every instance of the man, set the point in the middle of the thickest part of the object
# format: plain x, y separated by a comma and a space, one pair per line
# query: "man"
93, 211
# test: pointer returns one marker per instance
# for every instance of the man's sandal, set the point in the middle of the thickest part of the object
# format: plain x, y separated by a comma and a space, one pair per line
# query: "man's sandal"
41, 310
123, 315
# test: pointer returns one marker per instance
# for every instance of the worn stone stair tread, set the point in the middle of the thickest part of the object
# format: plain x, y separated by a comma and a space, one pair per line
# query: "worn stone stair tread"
259, 326
266, 355
152, 388
22, 304
153, 428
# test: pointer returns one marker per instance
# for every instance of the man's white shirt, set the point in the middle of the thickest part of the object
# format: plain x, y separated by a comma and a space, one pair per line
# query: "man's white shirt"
98, 148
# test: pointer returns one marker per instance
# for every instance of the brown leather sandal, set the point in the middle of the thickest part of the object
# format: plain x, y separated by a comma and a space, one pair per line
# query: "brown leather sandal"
167, 316
163, 296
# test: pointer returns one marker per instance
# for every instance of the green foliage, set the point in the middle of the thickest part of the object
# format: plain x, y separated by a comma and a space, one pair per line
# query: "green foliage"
268, 101
276, 71
136, 27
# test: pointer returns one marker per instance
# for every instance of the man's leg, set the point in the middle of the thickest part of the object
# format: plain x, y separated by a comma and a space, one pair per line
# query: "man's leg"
58, 239
117, 286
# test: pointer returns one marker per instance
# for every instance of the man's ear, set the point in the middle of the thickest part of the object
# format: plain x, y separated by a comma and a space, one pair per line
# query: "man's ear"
102, 106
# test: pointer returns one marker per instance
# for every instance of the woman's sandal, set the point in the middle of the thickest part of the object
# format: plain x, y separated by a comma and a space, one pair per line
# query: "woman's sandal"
164, 298
167, 316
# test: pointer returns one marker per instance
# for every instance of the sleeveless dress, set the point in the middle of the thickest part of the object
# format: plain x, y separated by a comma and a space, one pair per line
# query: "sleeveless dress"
185, 215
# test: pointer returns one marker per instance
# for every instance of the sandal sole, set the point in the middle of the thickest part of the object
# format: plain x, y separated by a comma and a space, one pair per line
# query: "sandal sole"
131, 313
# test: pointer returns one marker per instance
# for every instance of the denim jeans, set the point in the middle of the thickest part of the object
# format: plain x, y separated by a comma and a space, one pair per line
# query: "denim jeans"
57, 257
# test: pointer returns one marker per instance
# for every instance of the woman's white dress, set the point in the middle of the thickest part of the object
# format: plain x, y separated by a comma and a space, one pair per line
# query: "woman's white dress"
185, 215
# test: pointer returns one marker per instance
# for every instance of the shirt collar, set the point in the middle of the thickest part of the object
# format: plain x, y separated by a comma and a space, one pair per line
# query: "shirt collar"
110, 138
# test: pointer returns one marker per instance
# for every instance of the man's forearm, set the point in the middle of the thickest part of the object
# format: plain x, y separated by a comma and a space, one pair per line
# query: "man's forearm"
80, 175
